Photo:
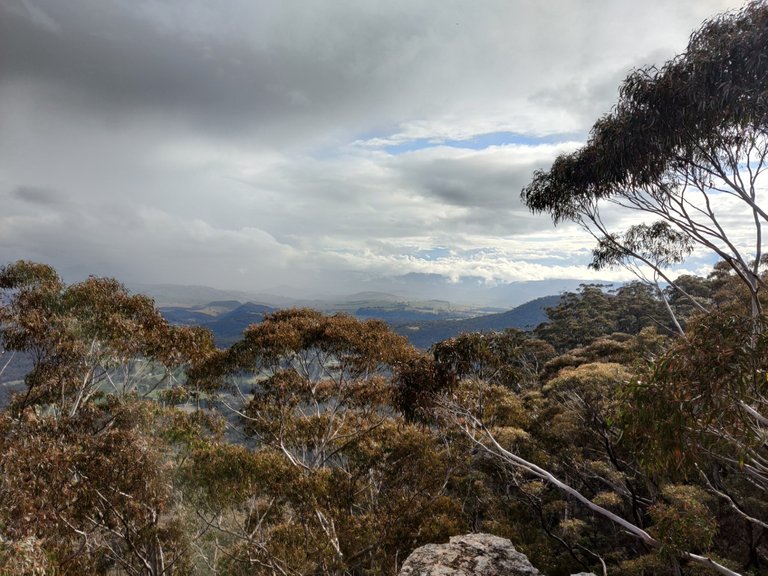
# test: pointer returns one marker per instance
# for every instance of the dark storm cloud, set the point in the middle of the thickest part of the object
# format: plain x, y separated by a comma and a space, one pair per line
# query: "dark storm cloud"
470, 180
34, 195
259, 68
109, 56
283, 70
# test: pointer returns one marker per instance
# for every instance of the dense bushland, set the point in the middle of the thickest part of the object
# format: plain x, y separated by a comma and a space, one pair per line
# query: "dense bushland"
324, 444
628, 434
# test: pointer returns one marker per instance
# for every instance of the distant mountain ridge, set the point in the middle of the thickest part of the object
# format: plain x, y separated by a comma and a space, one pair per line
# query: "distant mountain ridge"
472, 292
423, 322
524, 317
227, 325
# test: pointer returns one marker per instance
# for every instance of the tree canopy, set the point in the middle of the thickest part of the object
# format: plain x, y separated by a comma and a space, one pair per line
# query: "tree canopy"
686, 144
323, 444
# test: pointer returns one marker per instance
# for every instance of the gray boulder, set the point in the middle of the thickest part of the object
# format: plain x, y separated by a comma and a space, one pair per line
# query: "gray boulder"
469, 555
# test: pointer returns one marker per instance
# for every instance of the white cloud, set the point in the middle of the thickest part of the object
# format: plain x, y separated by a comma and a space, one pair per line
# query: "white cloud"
250, 144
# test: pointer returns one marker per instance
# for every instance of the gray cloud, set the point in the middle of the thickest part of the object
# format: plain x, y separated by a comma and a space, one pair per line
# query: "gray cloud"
287, 69
486, 180
239, 143
34, 195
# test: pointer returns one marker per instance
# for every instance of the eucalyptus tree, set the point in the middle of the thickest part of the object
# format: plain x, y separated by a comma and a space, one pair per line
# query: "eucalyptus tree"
330, 478
699, 413
88, 339
565, 437
592, 312
511, 358
647, 251
686, 145
84, 484
579, 318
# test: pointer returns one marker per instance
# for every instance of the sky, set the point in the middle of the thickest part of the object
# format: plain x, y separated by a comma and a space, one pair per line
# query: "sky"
307, 147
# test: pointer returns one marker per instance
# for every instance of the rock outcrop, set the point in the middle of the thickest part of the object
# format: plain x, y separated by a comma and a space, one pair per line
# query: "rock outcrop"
469, 555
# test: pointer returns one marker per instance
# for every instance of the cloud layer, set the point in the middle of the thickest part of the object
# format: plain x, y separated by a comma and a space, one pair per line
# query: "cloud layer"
253, 145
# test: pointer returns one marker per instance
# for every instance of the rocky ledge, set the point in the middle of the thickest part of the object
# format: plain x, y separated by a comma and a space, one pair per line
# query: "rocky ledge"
469, 555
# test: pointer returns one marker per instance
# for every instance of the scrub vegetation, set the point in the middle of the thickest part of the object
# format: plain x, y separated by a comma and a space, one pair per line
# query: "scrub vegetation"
628, 434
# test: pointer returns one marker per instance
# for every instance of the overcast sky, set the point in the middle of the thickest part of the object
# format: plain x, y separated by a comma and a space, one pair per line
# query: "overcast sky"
269, 145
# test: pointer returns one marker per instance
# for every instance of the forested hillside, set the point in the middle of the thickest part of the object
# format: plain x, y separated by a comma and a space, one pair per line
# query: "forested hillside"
624, 435
422, 323
325, 443
524, 317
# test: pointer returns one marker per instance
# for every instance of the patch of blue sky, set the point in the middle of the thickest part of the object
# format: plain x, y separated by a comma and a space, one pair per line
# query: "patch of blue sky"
432, 254
441, 252
485, 251
479, 142
698, 259
572, 260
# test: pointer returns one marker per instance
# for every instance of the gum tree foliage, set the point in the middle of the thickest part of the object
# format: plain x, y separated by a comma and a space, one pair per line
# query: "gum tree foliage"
592, 312
87, 338
578, 318
83, 475
333, 481
691, 414
704, 401
510, 358
686, 145
644, 247
566, 464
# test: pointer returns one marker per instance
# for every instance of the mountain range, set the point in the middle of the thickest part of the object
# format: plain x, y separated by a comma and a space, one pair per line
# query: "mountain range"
422, 322
472, 292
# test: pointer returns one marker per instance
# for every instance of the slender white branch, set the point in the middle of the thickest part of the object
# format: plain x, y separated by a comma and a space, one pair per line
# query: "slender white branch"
499, 451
